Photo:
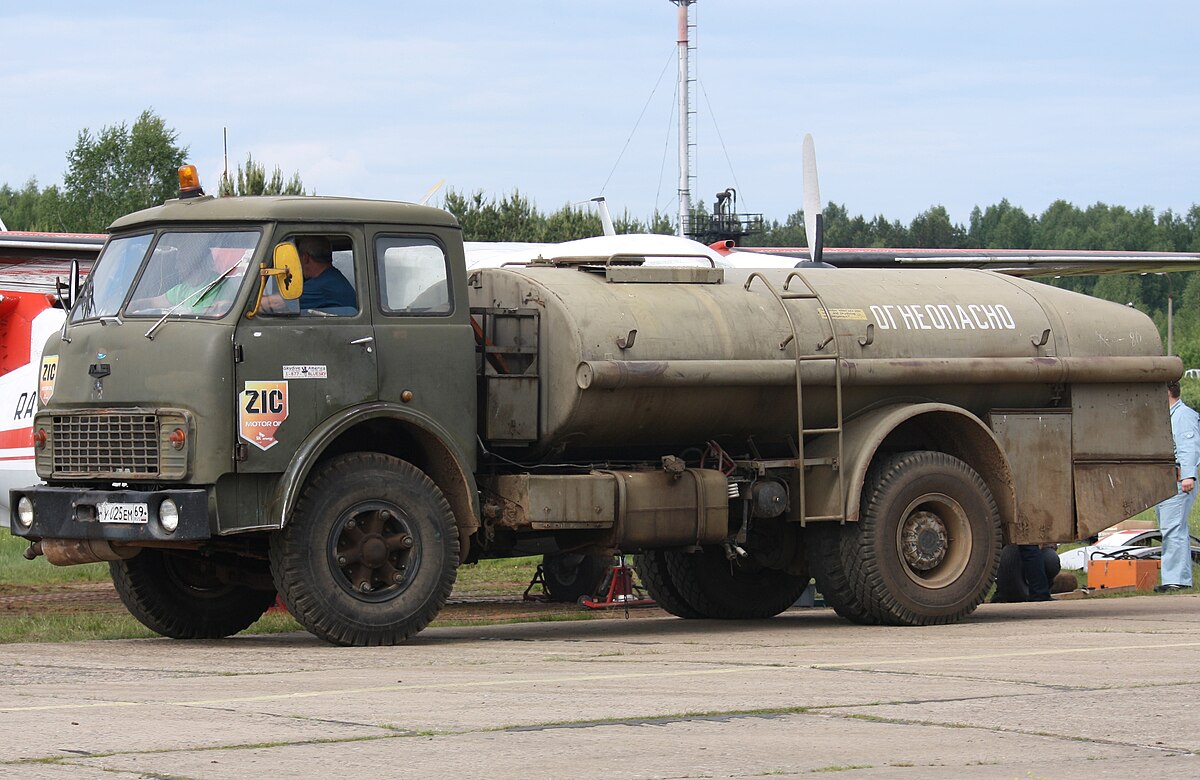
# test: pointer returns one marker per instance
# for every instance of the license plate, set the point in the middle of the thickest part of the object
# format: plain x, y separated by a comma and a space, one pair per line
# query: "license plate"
109, 512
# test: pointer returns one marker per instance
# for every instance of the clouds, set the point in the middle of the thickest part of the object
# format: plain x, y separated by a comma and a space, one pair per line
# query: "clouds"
912, 104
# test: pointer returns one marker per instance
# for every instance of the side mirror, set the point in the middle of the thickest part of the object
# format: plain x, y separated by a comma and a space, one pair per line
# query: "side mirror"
68, 292
286, 267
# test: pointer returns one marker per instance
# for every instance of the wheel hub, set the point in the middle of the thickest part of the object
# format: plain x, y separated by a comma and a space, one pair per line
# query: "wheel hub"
374, 551
923, 540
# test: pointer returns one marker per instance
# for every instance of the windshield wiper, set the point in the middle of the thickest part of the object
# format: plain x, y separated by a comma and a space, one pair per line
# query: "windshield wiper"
191, 299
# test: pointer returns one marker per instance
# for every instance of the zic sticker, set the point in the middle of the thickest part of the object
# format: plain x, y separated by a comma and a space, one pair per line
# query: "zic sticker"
46, 378
262, 408
305, 372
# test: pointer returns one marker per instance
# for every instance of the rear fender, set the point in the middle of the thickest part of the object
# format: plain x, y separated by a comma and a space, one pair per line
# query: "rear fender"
928, 426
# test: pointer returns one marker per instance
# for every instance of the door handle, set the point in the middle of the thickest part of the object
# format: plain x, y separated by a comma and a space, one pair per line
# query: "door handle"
363, 340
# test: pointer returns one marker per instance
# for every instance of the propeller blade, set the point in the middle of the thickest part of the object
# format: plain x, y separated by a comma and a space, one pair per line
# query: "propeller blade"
812, 201
605, 216
429, 194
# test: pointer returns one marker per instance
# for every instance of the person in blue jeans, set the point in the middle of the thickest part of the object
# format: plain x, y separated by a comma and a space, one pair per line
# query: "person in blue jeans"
1033, 568
1174, 512
1026, 573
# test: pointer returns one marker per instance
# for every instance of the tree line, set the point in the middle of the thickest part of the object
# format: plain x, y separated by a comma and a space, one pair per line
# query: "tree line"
120, 169
124, 168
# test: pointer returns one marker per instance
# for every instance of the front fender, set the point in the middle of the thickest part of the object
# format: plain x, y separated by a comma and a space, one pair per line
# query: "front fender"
456, 480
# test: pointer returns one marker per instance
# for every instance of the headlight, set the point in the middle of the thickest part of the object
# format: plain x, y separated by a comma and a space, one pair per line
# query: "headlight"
168, 515
25, 512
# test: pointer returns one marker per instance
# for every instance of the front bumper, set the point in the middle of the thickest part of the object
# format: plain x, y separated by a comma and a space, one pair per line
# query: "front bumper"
71, 513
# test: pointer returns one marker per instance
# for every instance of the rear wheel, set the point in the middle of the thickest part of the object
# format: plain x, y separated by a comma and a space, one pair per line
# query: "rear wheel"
572, 576
655, 575
927, 546
180, 594
370, 554
825, 559
738, 589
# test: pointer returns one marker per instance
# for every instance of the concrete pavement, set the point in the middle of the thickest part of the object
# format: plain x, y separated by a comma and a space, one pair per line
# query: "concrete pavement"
1078, 689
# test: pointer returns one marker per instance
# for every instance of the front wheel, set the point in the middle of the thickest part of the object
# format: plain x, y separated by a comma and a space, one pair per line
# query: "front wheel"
181, 594
927, 546
370, 554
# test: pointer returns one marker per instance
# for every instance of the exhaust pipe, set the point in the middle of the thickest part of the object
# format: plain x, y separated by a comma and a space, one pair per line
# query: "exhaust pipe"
69, 552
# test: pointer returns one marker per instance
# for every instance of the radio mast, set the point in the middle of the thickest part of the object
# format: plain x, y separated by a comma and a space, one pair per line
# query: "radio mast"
687, 79
724, 224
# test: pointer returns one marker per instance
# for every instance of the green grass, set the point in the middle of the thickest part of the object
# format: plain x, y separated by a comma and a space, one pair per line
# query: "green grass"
497, 577
15, 570
841, 768
60, 627
84, 626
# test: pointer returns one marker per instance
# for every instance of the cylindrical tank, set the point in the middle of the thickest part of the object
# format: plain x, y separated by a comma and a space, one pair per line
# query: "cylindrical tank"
627, 358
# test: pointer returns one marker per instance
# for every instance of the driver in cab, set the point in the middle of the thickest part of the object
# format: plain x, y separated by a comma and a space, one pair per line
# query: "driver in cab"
325, 287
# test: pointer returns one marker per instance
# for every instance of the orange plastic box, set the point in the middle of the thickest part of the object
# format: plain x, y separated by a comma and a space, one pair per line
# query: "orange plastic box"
1138, 574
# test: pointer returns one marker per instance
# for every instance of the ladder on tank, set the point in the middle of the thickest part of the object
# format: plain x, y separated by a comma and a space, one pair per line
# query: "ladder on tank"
836, 463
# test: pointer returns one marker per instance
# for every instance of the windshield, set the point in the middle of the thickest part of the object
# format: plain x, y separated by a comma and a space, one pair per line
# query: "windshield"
110, 278
186, 273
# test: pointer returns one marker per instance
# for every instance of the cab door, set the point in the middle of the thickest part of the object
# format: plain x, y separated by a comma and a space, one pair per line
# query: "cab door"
423, 331
298, 368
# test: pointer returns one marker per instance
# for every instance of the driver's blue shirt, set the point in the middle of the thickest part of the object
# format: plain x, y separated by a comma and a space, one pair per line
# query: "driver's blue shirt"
328, 290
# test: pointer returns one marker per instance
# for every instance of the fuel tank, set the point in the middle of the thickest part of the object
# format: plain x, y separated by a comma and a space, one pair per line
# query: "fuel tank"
588, 357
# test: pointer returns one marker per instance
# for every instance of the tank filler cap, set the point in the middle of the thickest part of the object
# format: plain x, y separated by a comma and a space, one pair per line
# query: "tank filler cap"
674, 466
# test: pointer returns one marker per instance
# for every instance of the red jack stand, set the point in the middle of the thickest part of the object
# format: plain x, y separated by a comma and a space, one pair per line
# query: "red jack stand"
619, 590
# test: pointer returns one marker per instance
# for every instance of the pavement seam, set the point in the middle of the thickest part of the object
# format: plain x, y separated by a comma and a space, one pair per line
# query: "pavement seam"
389, 689
395, 732
847, 665
969, 678
830, 711
823, 711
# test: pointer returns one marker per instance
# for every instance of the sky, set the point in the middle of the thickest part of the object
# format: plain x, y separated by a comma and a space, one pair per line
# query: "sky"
912, 104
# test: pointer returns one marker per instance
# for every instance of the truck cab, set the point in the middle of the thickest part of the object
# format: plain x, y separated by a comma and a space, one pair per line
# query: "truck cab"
190, 394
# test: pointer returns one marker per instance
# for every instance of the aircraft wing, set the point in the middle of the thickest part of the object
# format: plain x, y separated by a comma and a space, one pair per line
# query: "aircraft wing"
31, 262
658, 249
1015, 262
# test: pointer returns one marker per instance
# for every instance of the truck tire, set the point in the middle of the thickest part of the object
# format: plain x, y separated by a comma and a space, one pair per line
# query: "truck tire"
927, 546
572, 576
176, 594
825, 560
717, 587
656, 578
370, 554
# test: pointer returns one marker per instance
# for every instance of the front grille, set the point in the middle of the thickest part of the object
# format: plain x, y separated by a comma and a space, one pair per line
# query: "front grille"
124, 445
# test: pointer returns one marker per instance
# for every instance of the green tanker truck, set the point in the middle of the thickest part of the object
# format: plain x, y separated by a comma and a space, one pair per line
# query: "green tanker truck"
220, 437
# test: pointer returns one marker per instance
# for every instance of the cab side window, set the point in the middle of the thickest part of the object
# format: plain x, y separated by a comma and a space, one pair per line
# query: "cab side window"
327, 262
413, 275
